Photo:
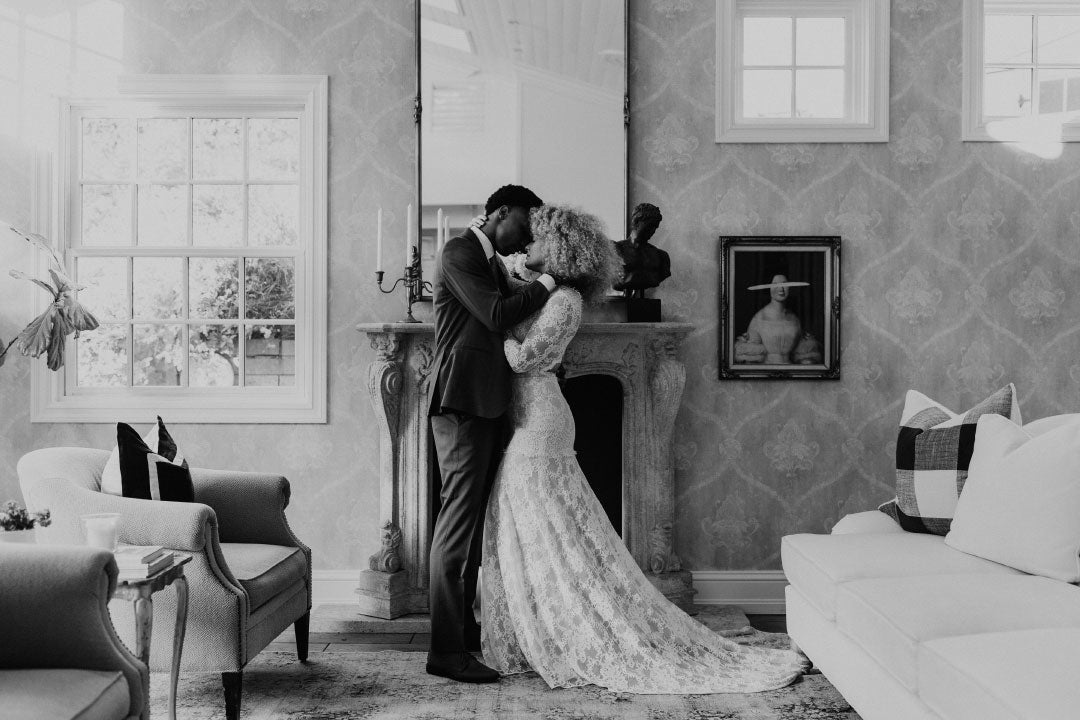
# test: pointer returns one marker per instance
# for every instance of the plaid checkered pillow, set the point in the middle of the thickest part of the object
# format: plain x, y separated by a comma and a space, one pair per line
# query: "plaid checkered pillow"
933, 450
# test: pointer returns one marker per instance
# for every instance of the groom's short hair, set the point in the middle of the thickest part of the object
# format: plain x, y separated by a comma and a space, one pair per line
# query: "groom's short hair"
512, 196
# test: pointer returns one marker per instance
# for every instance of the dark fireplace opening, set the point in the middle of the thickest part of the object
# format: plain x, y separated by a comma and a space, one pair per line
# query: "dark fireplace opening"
597, 404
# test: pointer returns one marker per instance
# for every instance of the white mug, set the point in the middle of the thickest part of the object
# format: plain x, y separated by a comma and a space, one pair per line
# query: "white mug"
102, 530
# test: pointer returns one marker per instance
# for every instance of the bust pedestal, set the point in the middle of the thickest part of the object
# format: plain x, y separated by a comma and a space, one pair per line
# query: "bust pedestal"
642, 356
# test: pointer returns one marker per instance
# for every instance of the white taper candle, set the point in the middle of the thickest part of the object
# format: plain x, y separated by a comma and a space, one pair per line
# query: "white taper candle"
438, 231
378, 241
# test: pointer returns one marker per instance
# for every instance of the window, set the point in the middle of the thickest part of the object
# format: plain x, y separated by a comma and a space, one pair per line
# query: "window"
195, 216
1021, 70
802, 71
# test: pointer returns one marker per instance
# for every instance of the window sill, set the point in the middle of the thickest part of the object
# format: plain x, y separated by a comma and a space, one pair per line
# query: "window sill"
804, 134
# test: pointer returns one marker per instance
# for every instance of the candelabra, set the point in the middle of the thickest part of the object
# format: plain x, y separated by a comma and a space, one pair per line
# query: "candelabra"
415, 285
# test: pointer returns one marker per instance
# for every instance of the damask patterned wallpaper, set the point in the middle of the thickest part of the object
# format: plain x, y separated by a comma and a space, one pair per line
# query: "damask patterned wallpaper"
366, 48
960, 269
960, 262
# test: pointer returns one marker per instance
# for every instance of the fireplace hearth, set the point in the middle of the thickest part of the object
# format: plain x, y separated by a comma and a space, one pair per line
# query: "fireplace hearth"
637, 358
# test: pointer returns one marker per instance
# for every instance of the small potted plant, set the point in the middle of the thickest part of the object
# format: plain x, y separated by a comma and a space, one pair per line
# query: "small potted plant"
20, 525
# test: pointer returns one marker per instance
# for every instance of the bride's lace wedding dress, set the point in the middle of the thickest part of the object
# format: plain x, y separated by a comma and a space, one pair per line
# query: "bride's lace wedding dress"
561, 594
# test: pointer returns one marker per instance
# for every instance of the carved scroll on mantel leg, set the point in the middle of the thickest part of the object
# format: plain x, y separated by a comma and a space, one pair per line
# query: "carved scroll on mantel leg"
382, 583
384, 387
667, 377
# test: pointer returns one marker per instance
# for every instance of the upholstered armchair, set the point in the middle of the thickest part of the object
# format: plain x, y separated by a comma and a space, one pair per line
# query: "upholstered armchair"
249, 578
59, 655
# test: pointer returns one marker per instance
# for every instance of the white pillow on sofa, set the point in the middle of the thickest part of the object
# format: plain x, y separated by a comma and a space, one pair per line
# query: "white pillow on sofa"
1021, 503
1046, 424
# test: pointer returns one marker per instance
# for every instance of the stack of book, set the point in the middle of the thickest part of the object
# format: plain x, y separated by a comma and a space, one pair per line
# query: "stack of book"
141, 561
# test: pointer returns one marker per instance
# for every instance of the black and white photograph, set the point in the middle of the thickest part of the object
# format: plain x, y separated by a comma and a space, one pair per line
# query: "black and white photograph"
780, 307
539, 359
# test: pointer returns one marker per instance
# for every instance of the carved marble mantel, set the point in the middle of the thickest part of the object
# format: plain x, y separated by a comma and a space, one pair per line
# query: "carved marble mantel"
642, 356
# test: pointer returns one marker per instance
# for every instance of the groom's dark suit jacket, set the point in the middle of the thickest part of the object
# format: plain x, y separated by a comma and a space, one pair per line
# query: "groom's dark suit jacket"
474, 306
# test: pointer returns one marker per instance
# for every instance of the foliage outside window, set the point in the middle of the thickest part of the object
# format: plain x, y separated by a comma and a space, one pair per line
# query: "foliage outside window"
1022, 70
194, 230
802, 71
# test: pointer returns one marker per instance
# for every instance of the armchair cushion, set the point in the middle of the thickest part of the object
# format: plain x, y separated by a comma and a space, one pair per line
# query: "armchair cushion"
60, 694
264, 571
156, 471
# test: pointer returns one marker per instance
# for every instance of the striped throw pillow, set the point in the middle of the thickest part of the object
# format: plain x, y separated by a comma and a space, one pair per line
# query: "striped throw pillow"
933, 451
152, 470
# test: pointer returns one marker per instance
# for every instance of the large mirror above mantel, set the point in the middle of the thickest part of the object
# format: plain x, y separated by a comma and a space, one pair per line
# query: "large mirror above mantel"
520, 91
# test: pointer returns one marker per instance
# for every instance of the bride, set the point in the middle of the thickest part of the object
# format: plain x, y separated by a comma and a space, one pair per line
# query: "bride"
560, 593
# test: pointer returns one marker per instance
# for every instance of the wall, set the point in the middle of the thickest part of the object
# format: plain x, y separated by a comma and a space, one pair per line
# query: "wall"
959, 275
367, 50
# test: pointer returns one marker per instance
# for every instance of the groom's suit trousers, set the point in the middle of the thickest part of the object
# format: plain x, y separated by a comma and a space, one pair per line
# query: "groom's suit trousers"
466, 446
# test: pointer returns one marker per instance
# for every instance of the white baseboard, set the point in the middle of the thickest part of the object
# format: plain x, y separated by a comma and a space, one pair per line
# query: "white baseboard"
334, 586
755, 591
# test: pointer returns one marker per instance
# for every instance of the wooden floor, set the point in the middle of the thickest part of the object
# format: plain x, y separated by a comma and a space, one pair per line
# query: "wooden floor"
418, 642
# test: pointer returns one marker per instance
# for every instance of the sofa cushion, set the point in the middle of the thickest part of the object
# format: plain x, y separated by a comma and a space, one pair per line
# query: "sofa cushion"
264, 570
933, 450
1021, 504
890, 617
817, 564
57, 694
1026, 675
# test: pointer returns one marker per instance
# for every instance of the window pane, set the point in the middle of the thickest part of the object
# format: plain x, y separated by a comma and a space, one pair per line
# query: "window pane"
766, 93
215, 288
1059, 91
101, 357
270, 288
163, 149
820, 41
107, 148
219, 152
106, 215
162, 215
214, 354
158, 287
1007, 93
819, 93
1059, 39
767, 41
218, 215
106, 281
1008, 38
270, 358
273, 214
273, 149
158, 356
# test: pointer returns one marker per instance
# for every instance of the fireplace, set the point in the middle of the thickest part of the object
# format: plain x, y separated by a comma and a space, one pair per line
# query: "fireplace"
635, 363
596, 403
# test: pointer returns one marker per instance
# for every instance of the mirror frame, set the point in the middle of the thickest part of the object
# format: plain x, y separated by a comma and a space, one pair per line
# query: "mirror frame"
418, 111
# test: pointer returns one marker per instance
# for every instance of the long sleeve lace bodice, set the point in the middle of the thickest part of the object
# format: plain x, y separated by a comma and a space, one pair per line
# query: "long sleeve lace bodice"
538, 344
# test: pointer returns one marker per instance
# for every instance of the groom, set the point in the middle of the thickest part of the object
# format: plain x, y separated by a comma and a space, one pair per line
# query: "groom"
474, 306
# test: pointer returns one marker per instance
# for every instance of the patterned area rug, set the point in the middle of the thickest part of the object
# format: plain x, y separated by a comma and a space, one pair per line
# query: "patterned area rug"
391, 685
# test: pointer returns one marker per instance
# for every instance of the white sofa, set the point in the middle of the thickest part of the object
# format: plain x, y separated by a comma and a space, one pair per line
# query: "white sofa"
908, 628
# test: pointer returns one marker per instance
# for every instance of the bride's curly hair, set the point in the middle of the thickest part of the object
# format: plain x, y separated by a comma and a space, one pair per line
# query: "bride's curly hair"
579, 252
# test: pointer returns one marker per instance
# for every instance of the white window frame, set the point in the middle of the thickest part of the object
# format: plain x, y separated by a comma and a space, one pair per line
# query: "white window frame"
54, 398
867, 88
977, 128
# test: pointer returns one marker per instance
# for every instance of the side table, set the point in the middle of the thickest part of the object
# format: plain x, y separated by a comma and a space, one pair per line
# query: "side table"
140, 591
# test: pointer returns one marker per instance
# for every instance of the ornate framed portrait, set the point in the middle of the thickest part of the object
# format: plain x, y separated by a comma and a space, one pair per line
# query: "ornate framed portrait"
780, 307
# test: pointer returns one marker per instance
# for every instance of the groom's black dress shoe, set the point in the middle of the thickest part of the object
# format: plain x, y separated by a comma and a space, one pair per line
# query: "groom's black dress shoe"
461, 667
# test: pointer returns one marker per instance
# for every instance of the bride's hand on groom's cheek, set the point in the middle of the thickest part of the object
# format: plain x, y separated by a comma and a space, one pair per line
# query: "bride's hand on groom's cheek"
478, 221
